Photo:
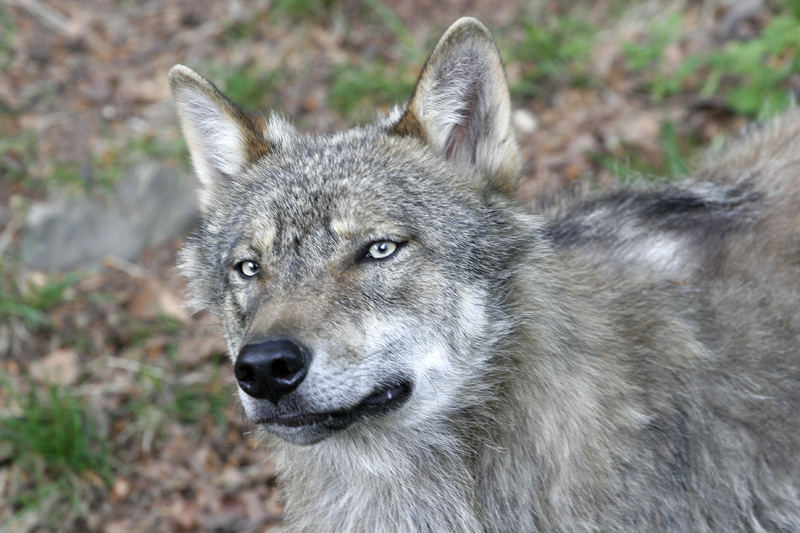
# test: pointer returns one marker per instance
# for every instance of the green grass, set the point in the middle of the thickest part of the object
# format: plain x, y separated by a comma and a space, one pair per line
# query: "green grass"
412, 52
66, 176
166, 398
140, 331
108, 168
646, 58
251, 87
357, 90
8, 31
75, 177
750, 77
32, 303
191, 403
55, 427
17, 155
56, 443
649, 53
555, 52
302, 9
671, 160
674, 158
246, 30
354, 88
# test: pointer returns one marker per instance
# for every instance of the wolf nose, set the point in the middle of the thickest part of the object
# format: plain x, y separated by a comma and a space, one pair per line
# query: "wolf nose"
269, 370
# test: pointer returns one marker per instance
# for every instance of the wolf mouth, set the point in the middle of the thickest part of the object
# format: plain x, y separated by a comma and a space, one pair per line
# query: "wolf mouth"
383, 400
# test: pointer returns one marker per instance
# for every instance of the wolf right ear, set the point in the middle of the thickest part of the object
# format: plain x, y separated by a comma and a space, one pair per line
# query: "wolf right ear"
222, 138
461, 105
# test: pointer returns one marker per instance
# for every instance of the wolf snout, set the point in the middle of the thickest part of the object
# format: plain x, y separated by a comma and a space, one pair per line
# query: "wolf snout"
271, 369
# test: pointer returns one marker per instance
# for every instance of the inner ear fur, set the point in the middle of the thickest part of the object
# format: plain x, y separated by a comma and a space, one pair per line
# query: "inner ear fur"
461, 106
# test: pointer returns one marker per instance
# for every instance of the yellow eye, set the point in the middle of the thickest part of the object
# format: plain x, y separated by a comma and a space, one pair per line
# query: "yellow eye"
381, 249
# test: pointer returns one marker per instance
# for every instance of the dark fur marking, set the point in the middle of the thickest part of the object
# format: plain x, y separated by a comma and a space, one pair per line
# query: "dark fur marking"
678, 202
667, 210
672, 446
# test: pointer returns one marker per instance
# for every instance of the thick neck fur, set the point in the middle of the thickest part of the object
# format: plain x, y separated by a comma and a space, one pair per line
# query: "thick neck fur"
381, 481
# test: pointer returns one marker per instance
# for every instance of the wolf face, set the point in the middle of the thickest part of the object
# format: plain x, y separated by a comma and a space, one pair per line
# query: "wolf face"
352, 270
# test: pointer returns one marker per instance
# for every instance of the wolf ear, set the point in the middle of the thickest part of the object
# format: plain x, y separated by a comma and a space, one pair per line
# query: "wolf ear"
461, 105
222, 138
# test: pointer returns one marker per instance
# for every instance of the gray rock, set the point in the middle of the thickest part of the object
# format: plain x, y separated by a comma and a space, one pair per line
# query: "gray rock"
150, 204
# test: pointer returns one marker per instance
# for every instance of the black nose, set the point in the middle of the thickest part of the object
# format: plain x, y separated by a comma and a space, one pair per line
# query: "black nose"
269, 370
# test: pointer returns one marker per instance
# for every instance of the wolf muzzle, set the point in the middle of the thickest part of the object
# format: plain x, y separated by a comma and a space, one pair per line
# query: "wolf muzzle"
271, 369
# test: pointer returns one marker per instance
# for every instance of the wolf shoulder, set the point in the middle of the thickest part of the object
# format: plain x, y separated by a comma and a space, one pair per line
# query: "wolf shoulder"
735, 216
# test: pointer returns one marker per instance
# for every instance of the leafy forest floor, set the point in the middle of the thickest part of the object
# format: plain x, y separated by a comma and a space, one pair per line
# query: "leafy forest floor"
117, 406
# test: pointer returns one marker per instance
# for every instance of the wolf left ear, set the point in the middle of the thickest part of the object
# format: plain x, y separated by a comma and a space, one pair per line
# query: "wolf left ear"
461, 105
222, 138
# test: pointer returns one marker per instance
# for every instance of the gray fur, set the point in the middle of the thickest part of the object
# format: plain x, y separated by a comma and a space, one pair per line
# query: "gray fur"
627, 362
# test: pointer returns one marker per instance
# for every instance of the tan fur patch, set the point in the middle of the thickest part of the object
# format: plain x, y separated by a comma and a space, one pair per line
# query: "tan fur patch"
267, 237
345, 228
409, 126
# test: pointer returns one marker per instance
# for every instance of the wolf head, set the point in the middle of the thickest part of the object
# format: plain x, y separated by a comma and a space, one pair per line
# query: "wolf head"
359, 275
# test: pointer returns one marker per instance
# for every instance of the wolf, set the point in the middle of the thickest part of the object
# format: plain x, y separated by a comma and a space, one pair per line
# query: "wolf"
425, 352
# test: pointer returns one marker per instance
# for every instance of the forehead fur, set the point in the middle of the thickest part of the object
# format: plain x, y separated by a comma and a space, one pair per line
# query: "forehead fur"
343, 182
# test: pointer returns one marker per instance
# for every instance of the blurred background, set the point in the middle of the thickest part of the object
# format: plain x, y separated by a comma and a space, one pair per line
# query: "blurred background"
117, 406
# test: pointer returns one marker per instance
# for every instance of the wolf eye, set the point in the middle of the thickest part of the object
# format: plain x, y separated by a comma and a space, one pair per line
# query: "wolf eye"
247, 269
381, 249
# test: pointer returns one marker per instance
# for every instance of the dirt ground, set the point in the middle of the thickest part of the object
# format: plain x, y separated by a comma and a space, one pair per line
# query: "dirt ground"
605, 91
